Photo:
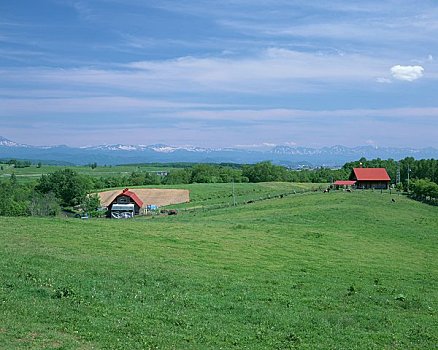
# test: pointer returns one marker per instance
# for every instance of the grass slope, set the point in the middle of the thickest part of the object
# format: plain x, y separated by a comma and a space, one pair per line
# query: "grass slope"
213, 195
310, 271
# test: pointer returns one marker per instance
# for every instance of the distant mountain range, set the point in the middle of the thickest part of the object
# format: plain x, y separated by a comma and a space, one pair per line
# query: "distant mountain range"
294, 157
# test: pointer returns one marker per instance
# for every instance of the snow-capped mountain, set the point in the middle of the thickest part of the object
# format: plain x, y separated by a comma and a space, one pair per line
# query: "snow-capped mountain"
360, 151
286, 155
118, 147
170, 149
4, 142
160, 148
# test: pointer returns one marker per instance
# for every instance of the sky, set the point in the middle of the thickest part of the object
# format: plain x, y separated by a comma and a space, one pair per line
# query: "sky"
229, 73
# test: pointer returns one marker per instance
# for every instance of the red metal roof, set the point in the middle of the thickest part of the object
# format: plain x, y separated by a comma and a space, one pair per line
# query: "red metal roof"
132, 195
371, 174
344, 183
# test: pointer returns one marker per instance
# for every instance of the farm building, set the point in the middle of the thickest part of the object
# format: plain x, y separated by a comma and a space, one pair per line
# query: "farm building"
376, 178
344, 184
130, 202
124, 205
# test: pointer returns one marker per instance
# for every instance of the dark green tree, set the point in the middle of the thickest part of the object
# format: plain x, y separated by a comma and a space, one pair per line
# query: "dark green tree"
67, 185
14, 198
178, 176
265, 172
13, 179
91, 203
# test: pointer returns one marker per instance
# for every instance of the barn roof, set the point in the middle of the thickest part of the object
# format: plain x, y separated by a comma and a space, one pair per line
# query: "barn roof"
371, 174
130, 194
344, 183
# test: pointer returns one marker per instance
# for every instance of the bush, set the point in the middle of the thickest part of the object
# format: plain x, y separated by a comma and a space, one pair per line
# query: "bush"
14, 198
91, 204
44, 204
424, 189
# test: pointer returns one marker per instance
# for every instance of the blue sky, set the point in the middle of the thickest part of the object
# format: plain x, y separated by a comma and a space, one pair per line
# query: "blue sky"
235, 73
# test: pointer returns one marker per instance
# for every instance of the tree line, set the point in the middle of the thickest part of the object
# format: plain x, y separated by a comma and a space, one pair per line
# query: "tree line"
16, 163
211, 173
266, 172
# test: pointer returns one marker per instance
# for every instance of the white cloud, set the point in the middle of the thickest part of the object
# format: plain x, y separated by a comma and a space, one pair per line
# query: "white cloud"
407, 73
93, 105
273, 116
371, 143
267, 72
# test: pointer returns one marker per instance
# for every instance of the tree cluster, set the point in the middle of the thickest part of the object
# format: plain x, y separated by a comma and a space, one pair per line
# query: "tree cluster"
424, 190
19, 163
14, 198
63, 188
67, 185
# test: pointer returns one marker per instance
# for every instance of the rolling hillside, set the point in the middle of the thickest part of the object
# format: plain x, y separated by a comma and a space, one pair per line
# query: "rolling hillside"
309, 271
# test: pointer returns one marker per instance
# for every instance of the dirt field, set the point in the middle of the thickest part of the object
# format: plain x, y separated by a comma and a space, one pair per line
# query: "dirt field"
155, 196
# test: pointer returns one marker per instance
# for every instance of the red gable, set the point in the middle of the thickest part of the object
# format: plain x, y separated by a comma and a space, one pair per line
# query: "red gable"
132, 195
371, 174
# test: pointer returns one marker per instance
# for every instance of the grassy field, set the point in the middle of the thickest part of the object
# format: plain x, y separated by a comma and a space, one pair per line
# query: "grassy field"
307, 271
214, 195
33, 172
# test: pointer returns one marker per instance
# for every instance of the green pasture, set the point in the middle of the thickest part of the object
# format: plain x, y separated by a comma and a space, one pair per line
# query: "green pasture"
33, 172
307, 271
214, 195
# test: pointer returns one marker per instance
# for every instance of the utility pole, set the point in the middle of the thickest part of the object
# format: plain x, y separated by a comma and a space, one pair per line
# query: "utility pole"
409, 170
397, 180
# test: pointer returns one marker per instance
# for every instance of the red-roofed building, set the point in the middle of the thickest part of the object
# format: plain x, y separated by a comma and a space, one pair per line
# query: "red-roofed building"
125, 204
344, 184
376, 178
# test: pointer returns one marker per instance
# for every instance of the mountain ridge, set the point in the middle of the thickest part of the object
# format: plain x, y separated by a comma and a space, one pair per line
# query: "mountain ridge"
113, 154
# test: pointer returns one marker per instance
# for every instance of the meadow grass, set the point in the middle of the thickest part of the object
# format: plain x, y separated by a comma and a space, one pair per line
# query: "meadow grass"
206, 195
33, 172
309, 271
